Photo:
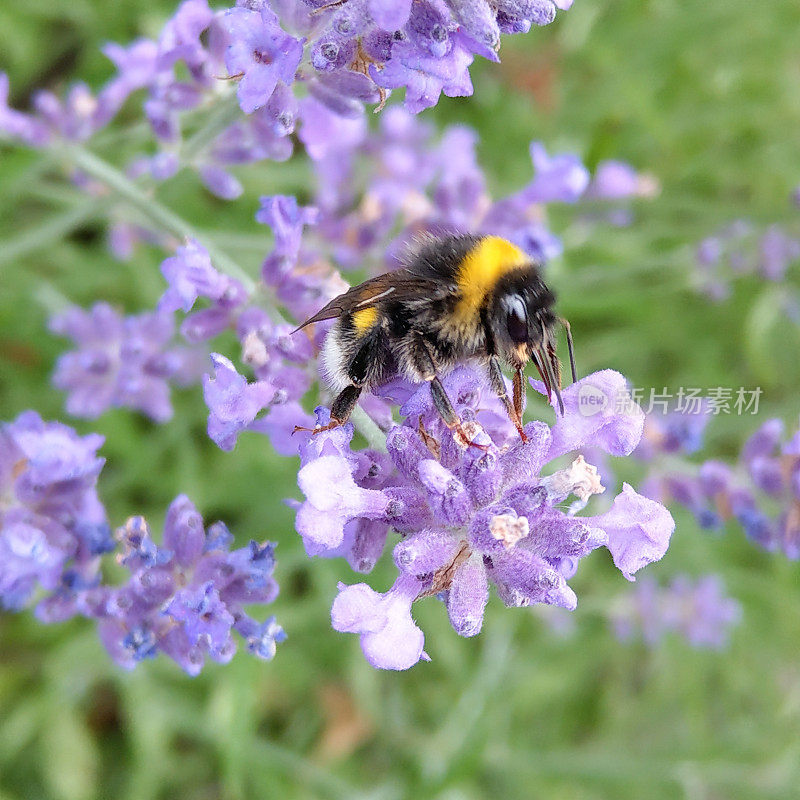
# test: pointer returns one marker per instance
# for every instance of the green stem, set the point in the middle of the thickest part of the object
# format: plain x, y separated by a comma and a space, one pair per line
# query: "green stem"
221, 116
153, 210
366, 426
50, 231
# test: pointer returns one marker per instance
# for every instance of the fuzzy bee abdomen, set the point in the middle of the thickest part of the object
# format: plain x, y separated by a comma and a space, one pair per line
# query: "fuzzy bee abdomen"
357, 352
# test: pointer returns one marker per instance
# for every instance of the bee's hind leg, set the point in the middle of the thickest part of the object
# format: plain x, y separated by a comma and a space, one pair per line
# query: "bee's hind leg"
341, 410
448, 413
427, 368
514, 409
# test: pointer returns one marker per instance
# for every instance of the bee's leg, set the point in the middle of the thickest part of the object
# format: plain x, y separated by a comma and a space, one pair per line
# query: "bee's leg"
343, 405
499, 385
519, 390
448, 413
360, 371
341, 410
425, 365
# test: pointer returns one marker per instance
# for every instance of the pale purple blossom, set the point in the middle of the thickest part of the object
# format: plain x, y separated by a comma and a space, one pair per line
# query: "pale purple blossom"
52, 524
471, 517
698, 610
186, 598
126, 362
233, 403
190, 275
260, 52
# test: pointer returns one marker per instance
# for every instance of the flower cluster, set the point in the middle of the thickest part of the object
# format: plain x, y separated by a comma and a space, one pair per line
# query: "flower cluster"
762, 494
186, 597
343, 54
52, 525
469, 516
183, 598
121, 362
741, 248
699, 611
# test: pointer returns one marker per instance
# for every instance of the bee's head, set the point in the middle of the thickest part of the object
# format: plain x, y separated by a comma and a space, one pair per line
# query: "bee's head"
520, 316
522, 325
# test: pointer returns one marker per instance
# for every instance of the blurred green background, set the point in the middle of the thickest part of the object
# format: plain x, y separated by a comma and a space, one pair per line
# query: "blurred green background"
703, 94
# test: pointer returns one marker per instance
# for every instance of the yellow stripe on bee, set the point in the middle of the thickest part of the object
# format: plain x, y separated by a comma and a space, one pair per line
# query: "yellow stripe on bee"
480, 270
364, 319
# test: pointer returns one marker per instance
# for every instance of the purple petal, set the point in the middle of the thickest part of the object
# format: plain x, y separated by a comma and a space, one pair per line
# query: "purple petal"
638, 530
599, 412
467, 597
183, 531
390, 15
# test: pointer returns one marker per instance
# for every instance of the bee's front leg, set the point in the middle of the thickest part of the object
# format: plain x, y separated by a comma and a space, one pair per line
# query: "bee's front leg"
341, 410
514, 409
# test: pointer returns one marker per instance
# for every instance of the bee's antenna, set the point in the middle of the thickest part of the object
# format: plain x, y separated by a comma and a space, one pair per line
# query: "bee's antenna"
570, 348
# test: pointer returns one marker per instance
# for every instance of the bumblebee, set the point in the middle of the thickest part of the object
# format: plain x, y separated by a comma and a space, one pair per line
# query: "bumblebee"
458, 298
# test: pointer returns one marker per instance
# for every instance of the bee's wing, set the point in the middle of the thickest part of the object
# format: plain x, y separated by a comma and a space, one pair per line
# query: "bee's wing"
399, 285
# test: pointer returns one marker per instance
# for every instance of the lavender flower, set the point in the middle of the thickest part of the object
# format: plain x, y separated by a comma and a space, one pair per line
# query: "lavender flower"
190, 275
469, 517
233, 402
261, 53
125, 362
741, 249
765, 479
186, 598
699, 611
52, 524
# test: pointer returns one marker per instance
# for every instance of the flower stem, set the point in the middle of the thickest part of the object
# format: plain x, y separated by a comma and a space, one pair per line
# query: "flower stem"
221, 116
153, 210
49, 231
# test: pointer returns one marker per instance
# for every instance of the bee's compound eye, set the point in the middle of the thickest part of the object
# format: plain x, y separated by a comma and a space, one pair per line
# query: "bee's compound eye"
517, 320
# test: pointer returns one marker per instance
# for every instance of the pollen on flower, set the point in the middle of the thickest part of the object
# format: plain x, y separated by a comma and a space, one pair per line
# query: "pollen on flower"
254, 350
580, 478
509, 529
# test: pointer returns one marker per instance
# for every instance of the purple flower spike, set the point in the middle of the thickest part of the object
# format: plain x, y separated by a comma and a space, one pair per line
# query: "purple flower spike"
561, 178
120, 361
470, 516
185, 601
638, 529
233, 403
699, 611
389, 637
261, 52
598, 410
190, 275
